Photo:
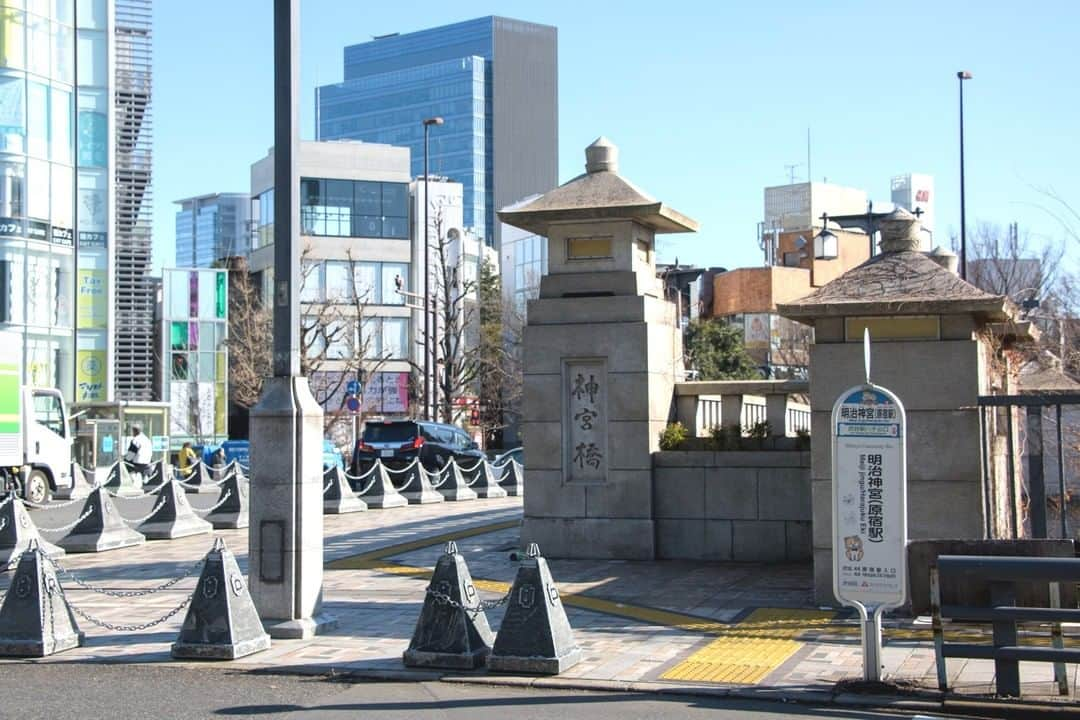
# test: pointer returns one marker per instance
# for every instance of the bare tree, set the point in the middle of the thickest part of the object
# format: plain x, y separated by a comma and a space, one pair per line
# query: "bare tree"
456, 331
334, 347
250, 339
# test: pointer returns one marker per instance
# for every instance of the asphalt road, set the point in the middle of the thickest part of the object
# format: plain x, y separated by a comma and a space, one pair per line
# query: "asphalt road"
77, 691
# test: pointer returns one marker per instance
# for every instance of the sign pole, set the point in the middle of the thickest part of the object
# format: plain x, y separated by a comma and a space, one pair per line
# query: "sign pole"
869, 482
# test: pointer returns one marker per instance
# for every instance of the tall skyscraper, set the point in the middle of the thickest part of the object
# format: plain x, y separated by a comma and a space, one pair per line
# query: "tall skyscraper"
493, 80
210, 228
133, 330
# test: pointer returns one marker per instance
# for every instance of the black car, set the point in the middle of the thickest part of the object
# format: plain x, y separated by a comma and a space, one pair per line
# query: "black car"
398, 442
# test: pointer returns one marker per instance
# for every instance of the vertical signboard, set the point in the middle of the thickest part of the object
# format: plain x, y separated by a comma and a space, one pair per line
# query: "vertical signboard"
869, 482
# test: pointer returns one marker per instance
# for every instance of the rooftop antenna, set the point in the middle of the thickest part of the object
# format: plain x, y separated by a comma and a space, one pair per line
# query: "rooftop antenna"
791, 172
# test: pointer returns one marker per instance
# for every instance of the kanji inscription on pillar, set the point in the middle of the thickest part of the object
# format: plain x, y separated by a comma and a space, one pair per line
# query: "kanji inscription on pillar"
585, 421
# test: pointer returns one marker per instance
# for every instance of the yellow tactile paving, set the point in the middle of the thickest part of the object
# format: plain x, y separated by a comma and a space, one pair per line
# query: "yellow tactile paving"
745, 653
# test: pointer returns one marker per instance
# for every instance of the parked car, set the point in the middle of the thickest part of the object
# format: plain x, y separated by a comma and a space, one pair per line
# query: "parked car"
398, 442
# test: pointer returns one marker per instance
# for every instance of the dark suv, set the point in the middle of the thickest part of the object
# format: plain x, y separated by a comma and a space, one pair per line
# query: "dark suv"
398, 442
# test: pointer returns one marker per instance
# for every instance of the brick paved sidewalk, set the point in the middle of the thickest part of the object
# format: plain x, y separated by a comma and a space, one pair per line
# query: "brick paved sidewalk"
640, 624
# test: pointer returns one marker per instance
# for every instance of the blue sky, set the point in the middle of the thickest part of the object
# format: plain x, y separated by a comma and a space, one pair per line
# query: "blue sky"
708, 101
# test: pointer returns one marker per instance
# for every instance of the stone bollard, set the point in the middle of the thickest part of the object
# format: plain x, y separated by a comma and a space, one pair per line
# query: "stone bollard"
80, 485
174, 517
103, 529
339, 498
453, 486
452, 631
120, 481
17, 532
35, 620
232, 513
161, 473
418, 490
382, 493
221, 622
535, 635
486, 486
199, 481
513, 481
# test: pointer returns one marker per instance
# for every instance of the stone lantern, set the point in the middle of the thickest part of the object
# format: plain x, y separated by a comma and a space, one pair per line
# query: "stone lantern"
930, 335
601, 347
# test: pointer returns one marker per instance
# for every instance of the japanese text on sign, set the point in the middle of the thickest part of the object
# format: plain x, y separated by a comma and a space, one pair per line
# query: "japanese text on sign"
869, 497
584, 419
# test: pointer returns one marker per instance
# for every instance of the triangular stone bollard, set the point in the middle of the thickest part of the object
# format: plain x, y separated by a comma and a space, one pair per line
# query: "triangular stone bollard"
232, 514
80, 485
453, 486
221, 622
199, 481
103, 529
381, 492
174, 517
35, 620
220, 472
452, 631
161, 472
339, 498
535, 635
17, 532
418, 489
512, 481
120, 481
486, 486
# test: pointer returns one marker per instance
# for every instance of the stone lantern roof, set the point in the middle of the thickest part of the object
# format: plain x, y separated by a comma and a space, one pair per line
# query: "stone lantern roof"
599, 194
899, 281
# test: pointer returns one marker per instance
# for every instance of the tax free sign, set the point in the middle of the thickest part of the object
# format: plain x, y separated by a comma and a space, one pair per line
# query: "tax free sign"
869, 473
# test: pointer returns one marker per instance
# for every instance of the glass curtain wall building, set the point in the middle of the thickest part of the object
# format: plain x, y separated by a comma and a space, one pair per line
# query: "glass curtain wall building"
211, 228
493, 81
37, 188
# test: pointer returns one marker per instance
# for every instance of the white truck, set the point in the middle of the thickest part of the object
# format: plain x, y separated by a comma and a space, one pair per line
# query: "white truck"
35, 436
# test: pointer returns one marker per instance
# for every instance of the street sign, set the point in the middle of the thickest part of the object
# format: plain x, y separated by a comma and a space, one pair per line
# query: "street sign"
353, 387
353, 403
869, 482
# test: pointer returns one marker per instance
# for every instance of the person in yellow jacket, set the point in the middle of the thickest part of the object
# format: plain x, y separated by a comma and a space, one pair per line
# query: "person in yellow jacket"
188, 458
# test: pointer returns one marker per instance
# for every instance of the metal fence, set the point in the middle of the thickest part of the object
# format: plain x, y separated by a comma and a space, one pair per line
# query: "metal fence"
1048, 430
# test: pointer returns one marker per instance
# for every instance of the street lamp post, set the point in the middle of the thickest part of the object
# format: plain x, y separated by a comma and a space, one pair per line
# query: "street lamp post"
962, 76
430, 352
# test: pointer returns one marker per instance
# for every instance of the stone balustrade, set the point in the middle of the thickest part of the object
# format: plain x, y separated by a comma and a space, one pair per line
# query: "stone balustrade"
702, 405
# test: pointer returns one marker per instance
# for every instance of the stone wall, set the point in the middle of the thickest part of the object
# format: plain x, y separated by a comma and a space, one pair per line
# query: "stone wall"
742, 506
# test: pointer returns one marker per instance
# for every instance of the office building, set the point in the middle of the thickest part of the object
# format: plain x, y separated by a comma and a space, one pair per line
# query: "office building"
494, 82
915, 193
211, 228
356, 239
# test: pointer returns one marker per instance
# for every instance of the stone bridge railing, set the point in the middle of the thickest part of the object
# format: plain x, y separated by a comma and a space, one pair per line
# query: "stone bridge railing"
703, 405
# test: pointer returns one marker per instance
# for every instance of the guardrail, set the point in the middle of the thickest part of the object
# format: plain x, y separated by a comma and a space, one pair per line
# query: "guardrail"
703, 405
1003, 573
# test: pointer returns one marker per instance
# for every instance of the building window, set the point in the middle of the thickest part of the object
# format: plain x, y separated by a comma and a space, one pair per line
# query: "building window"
353, 208
384, 338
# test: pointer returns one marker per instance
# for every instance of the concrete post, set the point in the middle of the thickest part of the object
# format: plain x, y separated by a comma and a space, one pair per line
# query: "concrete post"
731, 410
285, 535
776, 413
686, 411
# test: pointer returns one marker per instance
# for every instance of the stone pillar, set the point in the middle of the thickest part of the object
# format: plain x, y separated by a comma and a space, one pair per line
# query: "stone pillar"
731, 410
600, 352
776, 413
